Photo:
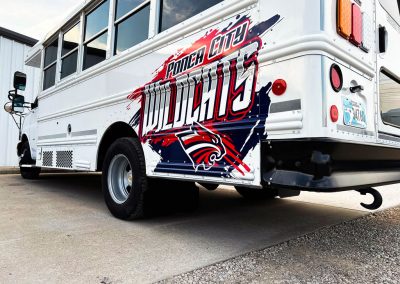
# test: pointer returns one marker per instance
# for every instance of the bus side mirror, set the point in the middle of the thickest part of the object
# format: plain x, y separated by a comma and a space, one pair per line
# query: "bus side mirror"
19, 81
17, 104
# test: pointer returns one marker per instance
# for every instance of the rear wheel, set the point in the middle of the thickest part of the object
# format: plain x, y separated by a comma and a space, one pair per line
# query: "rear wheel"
124, 179
256, 193
26, 161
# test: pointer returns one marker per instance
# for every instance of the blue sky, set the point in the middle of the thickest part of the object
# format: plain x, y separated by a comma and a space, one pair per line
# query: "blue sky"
34, 18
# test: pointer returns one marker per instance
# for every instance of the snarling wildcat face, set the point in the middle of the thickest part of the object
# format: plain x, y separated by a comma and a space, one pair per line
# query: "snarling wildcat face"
203, 147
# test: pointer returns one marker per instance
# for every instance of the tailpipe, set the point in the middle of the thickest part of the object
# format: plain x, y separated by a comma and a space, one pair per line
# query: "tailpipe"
378, 200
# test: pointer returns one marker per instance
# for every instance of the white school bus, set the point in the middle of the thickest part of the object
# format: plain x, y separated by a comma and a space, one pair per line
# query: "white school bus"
273, 97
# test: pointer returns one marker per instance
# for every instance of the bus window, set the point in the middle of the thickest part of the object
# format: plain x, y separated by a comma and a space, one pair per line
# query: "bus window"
50, 65
389, 90
96, 33
392, 7
126, 6
174, 12
97, 20
69, 54
95, 51
132, 23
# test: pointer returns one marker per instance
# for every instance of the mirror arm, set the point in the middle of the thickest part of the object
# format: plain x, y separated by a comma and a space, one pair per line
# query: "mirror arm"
19, 125
28, 105
11, 94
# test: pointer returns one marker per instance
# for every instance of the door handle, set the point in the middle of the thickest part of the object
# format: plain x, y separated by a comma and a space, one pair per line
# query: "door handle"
383, 38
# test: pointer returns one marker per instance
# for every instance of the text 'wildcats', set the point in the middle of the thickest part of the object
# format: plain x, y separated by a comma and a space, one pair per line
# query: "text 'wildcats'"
215, 92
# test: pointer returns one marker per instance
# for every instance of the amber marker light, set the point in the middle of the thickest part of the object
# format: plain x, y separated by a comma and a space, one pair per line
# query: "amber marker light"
344, 23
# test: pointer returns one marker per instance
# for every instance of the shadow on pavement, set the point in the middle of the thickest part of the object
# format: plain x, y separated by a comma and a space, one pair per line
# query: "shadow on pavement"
87, 188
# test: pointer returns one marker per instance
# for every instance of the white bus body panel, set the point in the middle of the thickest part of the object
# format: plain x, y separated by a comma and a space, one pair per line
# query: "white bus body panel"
296, 42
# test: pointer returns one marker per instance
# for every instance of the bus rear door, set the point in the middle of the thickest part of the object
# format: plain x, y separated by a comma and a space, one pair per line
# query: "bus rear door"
388, 70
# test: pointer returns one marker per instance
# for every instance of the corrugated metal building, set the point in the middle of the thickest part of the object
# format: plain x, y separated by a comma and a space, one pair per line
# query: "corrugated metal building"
13, 49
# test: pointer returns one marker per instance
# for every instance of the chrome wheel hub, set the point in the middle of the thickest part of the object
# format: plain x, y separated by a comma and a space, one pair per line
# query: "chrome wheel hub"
120, 179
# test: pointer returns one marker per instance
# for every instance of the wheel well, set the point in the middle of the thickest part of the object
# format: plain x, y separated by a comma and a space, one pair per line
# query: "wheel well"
24, 138
114, 132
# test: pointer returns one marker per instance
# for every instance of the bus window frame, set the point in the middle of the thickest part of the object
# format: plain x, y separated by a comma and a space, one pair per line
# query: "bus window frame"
52, 39
394, 78
65, 30
155, 37
120, 20
160, 17
86, 12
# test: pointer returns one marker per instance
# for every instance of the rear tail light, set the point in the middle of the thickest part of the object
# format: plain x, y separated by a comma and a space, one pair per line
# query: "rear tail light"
336, 77
357, 22
350, 22
344, 18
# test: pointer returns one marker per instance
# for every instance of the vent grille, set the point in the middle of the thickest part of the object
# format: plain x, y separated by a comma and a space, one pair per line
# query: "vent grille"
47, 159
64, 159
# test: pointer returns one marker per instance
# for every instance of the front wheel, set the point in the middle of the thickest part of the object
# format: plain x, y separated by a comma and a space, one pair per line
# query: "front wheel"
124, 179
256, 193
29, 172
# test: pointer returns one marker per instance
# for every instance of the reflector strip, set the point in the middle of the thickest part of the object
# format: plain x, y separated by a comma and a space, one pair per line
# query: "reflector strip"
344, 18
356, 31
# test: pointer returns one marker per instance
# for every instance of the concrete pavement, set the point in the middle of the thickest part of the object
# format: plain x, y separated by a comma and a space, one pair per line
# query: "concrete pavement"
360, 251
9, 170
57, 229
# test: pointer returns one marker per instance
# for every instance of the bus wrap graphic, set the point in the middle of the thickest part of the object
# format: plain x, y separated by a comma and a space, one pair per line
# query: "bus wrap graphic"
202, 113
203, 147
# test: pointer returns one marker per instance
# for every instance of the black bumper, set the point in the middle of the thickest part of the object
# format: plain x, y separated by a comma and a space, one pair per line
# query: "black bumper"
328, 166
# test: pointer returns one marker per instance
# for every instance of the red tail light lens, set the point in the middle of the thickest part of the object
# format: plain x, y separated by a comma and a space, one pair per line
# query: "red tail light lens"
357, 28
334, 113
350, 21
336, 77
279, 87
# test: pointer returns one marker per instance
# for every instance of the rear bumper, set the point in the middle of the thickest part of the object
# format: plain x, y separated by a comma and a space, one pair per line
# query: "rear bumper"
328, 166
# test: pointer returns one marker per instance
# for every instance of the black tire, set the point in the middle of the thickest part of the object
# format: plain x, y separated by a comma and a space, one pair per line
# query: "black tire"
209, 186
30, 173
26, 159
256, 193
133, 206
